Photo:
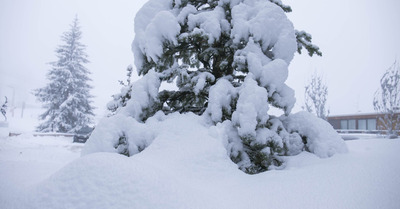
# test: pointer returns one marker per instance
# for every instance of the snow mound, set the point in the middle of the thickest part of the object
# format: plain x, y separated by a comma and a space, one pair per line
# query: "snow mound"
321, 138
187, 166
110, 131
174, 172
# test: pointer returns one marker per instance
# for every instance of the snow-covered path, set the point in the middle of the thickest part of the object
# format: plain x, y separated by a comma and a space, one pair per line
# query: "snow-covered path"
26, 160
181, 172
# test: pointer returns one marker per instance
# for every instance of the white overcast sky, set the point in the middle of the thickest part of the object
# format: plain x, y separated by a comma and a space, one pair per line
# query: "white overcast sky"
359, 39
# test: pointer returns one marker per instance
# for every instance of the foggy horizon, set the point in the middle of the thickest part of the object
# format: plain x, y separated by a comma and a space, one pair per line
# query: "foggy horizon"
358, 39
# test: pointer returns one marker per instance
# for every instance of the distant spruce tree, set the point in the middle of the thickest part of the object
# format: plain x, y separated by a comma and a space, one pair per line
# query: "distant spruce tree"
66, 97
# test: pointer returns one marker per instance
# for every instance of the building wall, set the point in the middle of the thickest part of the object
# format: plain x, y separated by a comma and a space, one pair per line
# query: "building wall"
362, 122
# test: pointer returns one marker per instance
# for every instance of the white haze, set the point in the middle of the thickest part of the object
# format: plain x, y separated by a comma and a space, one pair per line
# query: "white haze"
359, 41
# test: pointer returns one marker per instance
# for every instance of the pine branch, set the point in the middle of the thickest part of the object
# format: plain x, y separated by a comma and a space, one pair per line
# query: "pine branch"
304, 40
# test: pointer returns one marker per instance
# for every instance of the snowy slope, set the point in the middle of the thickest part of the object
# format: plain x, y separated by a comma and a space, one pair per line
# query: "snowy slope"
187, 166
26, 161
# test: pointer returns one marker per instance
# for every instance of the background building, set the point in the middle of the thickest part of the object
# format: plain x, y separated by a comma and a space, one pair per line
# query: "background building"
369, 122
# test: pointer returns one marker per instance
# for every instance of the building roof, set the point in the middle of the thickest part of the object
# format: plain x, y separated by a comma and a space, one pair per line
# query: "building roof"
356, 115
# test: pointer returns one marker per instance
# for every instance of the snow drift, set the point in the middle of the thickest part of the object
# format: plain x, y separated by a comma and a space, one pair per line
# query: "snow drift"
187, 166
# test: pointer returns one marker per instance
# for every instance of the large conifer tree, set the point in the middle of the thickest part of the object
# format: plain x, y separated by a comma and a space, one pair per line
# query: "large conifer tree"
66, 97
229, 60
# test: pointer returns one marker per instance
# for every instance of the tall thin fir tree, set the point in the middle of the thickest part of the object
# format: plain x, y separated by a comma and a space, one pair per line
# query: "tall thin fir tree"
66, 97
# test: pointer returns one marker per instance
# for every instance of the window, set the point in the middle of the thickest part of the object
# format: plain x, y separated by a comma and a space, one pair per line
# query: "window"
371, 124
362, 124
352, 124
343, 124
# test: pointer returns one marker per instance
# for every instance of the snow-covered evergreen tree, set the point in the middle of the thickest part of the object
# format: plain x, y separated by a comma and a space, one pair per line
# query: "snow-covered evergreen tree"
316, 95
229, 60
202, 44
387, 100
66, 97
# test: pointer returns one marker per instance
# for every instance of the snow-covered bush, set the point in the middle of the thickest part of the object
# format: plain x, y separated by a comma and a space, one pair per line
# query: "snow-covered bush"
229, 60
318, 136
120, 134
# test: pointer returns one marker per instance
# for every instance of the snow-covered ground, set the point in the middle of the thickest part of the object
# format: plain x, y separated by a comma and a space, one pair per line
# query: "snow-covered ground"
187, 167
26, 160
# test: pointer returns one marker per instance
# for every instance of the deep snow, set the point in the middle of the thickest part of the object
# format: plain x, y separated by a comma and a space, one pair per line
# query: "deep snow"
188, 167
26, 161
